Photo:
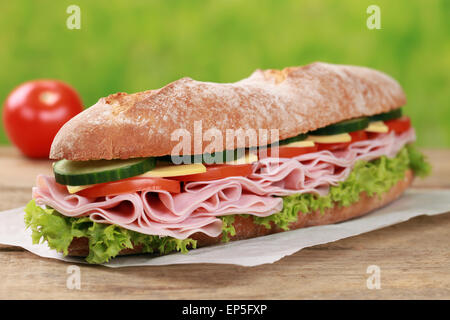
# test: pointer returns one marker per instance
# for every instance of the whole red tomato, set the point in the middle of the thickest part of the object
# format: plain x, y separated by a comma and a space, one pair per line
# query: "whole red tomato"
35, 111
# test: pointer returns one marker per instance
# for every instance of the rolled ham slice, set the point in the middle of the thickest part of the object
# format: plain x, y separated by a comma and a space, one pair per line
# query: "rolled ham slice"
159, 212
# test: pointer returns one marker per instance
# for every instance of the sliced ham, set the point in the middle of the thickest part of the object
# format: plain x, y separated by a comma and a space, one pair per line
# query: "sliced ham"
315, 172
159, 212
198, 207
312, 172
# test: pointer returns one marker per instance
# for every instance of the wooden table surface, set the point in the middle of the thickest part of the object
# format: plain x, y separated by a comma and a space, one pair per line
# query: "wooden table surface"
414, 260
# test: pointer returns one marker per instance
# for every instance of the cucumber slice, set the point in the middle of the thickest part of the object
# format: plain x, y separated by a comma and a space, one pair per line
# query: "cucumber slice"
207, 158
227, 155
394, 114
80, 173
224, 156
300, 137
343, 127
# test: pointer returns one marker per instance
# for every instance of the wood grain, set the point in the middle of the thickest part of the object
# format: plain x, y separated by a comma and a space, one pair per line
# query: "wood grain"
414, 258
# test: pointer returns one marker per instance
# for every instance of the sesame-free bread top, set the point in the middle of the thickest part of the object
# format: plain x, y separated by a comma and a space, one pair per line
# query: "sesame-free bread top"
294, 100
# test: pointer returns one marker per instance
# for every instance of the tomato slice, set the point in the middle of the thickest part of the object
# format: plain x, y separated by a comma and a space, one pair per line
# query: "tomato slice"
373, 135
356, 136
399, 125
130, 185
287, 152
215, 172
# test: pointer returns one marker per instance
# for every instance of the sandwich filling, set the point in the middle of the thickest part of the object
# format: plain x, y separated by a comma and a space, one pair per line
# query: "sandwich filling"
274, 192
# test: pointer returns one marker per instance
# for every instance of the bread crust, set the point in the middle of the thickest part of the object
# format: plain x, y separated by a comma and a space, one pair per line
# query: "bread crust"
246, 228
294, 100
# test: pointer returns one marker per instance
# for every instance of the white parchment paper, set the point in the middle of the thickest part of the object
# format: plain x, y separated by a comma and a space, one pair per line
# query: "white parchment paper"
255, 251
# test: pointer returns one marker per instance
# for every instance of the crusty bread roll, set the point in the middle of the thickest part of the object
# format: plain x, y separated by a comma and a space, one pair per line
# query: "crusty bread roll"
294, 100
245, 228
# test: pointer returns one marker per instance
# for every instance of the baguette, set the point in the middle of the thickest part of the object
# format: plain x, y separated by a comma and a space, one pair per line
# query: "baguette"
294, 100
246, 228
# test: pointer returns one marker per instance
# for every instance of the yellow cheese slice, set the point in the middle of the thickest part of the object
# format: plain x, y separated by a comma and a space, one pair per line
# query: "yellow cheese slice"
335, 138
163, 170
249, 157
377, 126
299, 144
75, 189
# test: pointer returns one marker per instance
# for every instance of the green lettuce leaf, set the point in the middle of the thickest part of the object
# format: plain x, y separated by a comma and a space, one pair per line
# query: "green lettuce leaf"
418, 162
105, 240
227, 227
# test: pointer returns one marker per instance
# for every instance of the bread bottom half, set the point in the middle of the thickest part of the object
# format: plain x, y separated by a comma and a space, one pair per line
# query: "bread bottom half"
246, 228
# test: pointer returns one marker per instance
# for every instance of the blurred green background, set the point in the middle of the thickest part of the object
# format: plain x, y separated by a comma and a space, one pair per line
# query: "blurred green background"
137, 45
